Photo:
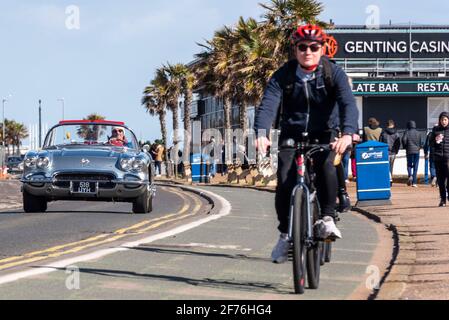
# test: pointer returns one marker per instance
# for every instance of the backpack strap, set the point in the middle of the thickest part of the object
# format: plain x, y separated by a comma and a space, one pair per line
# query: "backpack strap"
328, 75
288, 86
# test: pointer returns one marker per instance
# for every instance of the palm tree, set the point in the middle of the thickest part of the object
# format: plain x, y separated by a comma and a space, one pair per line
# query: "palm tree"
14, 134
182, 81
218, 74
89, 132
155, 102
17, 132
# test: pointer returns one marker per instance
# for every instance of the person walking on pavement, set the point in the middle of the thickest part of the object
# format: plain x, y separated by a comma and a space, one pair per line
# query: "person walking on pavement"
391, 137
159, 151
296, 97
412, 143
372, 132
429, 155
439, 141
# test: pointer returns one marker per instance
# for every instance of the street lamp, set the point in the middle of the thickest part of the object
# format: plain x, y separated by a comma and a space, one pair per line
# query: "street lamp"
62, 100
3, 121
4, 100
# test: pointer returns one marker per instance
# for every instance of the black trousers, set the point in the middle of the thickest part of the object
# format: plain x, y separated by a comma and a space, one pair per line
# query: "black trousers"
326, 184
442, 170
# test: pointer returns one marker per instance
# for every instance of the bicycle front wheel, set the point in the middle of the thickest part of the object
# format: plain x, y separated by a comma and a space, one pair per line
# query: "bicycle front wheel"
298, 236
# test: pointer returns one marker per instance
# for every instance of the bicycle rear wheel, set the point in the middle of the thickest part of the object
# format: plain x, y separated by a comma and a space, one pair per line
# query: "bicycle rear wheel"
314, 253
323, 253
328, 250
299, 250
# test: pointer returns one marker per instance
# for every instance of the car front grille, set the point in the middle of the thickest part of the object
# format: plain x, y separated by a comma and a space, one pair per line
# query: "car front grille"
104, 180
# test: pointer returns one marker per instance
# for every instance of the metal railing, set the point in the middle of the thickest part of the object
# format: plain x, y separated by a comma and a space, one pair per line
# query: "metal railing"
388, 66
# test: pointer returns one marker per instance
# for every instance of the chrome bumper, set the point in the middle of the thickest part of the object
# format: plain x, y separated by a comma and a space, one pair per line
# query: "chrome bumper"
121, 190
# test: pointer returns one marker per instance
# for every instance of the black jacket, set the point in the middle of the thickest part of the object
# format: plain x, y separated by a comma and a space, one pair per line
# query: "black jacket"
309, 106
391, 137
440, 151
412, 140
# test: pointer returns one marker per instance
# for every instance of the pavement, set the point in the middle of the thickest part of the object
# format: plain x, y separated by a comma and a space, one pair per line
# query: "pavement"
420, 269
225, 258
10, 195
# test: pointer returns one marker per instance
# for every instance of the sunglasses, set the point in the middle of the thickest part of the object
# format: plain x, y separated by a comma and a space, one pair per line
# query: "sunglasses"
313, 47
115, 130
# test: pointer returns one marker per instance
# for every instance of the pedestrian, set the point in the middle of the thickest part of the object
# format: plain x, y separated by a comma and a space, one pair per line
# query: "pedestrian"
356, 139
412, 143
429, 155
391, 137
439, 141
372, 132
159, 151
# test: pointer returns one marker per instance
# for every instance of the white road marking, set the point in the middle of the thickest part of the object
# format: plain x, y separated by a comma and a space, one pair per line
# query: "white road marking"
214, 246
225, 210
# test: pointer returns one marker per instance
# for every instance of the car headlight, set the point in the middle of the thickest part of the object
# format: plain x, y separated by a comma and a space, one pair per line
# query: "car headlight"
42, 162
126, 164
30, 162
132, 164
138, 165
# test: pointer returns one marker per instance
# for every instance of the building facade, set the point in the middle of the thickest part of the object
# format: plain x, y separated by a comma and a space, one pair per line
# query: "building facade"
397, 72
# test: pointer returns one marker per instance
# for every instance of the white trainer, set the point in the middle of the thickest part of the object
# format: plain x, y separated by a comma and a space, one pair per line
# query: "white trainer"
280, 251
326, 229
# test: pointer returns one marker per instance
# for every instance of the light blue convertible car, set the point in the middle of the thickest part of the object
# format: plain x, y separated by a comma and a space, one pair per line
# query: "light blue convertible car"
89, 161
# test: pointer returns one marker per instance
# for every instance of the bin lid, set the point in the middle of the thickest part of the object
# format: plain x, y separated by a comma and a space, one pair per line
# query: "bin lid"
372, 144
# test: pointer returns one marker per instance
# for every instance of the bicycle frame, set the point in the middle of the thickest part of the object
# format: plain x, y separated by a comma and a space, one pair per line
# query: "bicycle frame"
301, 159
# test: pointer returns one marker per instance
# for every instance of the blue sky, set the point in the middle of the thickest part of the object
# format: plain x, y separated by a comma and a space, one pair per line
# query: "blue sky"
104, 66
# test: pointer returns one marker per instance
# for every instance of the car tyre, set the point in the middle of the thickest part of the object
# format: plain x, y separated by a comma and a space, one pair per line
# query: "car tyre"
33, 204
143, 204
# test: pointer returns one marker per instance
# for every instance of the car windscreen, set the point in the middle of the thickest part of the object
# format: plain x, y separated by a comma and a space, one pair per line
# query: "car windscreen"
90, 134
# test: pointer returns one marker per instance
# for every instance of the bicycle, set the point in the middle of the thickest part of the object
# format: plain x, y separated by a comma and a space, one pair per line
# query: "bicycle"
304, 212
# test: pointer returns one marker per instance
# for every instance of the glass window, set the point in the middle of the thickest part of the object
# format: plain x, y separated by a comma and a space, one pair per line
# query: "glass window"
90, 134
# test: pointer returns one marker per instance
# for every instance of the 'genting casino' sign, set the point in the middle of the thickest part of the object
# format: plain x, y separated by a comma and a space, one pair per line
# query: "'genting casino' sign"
391, 45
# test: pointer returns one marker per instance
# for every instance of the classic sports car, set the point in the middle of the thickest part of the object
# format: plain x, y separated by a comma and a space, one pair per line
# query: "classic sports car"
89, 161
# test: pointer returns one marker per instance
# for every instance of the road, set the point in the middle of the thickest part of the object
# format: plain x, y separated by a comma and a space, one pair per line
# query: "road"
73, 227
226, 258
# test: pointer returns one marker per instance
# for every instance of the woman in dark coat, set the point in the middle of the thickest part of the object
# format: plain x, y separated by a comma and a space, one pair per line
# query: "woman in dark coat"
439, 141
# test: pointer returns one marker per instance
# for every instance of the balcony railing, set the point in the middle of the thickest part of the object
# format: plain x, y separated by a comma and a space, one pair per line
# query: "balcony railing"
380, 67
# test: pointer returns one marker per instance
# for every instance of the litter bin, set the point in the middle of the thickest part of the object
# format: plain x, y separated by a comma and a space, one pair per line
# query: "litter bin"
199, 165
373, 172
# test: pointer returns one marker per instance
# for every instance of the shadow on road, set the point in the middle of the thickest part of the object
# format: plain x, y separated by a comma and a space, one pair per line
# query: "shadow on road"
164, 250
227, 284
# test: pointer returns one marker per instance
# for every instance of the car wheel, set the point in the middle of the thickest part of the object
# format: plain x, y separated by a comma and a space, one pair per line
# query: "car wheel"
33, 204
143, 204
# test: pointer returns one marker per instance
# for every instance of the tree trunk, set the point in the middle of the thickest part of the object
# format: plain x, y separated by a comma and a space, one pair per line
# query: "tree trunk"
187, 134
228, 126
164, 137
243, 117
174, 109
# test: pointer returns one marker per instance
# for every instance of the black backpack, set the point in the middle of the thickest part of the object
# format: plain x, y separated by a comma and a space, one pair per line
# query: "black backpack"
289, 84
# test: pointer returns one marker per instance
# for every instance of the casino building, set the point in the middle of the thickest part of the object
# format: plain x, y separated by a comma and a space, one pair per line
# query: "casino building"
398, 72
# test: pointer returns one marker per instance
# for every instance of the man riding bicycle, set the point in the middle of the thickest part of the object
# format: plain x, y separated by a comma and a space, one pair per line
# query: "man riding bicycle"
318, 100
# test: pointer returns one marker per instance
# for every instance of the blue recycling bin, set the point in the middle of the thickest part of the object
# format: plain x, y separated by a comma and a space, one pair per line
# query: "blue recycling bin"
199, 165
373, 171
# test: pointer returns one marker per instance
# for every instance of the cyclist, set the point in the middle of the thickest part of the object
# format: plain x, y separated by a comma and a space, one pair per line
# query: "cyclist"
319, 99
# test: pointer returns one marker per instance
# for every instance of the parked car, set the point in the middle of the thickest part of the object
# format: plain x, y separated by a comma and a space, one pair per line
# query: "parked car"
89, 161
14, 164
